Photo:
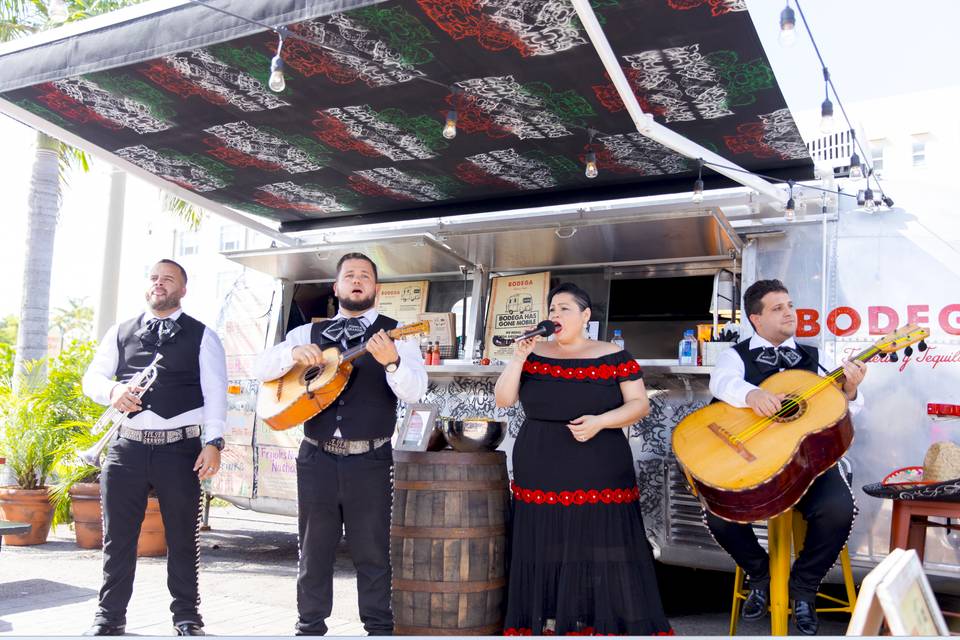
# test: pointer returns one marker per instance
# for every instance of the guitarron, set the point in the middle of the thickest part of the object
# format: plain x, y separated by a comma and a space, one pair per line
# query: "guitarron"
305, 391
744, 467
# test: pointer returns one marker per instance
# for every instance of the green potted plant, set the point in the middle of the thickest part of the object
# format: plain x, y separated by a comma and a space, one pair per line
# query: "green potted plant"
36, 423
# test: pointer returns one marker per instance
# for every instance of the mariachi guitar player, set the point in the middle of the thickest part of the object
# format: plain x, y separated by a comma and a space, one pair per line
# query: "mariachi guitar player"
345, 462
828, 505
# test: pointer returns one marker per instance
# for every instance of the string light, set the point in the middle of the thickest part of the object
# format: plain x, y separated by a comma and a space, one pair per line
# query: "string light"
826, 108
698, 183
788, 26
790, 211
450, 127
856, 169
277, 82
869, 202
58, 11
590, 159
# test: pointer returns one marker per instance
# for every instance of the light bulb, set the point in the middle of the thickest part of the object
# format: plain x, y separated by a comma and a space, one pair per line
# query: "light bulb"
861, 198
870, 205
58, 11
826, 116
856, 169
790, 211
697, 191
277, 82
788, 27
591, 170
450, 128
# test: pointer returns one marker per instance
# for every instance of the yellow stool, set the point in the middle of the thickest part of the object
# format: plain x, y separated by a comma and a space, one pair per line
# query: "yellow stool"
783, 531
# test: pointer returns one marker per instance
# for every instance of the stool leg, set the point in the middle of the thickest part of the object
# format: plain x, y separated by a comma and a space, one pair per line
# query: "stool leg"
737, 597
917, 535
899, 526
848, 579
779, 534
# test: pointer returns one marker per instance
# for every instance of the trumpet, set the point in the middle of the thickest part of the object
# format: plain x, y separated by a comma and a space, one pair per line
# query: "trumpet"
109, 422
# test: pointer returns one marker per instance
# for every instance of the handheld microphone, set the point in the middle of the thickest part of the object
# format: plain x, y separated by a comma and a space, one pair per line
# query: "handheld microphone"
545, 328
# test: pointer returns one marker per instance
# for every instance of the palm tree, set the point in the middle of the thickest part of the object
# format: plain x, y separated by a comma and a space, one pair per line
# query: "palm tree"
52, 162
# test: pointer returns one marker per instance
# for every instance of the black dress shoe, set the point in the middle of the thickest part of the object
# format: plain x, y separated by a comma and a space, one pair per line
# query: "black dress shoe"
105, 630
755, 606
805, 617
188, 629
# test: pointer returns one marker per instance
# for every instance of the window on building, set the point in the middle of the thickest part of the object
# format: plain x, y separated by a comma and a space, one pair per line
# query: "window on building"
188, 243
919, 152
232, 237
876, 154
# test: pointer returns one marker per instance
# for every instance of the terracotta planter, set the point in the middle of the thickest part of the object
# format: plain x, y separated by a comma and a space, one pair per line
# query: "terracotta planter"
27, 505
153, 541
87, 514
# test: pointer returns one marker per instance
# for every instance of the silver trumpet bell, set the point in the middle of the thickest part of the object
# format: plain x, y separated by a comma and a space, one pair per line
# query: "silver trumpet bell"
109, 422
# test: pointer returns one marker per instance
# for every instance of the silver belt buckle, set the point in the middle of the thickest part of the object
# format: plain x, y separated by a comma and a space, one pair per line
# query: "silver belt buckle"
154, 438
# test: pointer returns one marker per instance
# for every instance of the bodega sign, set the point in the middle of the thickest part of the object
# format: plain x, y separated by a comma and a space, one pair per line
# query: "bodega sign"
878, 319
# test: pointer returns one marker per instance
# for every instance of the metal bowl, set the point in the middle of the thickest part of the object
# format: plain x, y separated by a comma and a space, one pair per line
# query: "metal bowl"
473, 434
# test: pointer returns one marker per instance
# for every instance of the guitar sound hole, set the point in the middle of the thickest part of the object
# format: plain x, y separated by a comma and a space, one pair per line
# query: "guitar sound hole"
792, 409
311, 374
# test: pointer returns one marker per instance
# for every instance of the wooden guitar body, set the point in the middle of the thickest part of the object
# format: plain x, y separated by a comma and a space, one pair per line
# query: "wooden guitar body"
306, 390
745, 471
303, 392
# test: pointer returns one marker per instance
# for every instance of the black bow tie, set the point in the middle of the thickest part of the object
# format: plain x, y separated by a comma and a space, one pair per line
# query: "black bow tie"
344, 330
777, 358
158, 331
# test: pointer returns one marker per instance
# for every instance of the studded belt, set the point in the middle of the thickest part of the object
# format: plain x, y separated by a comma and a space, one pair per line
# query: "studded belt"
343, 447
154, 437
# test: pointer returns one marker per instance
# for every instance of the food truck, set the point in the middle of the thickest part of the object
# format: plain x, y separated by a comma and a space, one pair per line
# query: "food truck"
350, 154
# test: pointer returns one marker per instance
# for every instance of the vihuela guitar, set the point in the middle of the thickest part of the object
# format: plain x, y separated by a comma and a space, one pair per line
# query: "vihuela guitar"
744, 467
305, 391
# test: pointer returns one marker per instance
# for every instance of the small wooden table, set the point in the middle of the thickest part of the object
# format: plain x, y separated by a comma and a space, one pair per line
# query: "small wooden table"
13, 529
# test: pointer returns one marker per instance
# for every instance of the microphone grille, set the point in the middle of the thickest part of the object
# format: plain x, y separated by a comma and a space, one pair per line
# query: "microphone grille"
549, 327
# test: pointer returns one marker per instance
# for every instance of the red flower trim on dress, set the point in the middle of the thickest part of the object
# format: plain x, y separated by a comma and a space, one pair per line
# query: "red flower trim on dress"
604, 371
578, 497
586, 631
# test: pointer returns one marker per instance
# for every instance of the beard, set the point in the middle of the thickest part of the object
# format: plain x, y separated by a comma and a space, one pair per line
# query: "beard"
359, 305
170, 301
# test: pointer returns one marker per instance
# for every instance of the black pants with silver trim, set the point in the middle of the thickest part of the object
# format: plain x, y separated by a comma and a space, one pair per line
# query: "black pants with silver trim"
130, 470
829, 510
338, 494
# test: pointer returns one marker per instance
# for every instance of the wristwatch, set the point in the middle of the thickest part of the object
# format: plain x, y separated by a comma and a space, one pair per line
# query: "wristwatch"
392, 366
218, 443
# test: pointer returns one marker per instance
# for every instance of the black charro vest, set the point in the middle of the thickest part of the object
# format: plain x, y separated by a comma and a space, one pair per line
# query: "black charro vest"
367, 407
753, 375
177, 387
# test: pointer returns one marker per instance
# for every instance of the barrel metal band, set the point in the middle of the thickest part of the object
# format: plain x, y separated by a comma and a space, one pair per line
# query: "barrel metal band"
426, 586
487, 630
450, 485
448, 532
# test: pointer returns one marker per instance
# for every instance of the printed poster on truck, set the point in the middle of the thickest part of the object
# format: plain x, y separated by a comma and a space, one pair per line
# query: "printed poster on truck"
403, 301
516, 304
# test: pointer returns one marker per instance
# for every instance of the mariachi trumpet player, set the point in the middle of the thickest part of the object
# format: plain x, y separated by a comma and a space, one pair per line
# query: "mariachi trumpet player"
169, 442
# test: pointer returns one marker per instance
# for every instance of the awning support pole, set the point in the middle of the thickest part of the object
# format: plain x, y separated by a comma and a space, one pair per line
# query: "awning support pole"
652, 129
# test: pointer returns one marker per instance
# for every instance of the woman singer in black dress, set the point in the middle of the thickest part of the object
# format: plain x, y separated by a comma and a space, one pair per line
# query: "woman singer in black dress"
581, 563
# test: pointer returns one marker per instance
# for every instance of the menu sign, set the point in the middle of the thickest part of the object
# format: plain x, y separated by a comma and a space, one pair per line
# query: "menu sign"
403, 301
516, 304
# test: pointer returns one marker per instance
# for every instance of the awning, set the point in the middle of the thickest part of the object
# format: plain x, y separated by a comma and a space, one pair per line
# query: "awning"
177, 92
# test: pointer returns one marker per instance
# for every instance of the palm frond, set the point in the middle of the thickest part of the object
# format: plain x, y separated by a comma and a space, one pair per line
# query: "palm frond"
189, 214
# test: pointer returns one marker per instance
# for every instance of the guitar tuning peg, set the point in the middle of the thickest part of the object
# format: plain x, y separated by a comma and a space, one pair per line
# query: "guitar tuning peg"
893, 356
922, 346
908, 351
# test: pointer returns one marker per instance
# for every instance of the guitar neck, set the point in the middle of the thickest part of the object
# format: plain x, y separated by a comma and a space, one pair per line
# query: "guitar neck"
353, 353
863, 356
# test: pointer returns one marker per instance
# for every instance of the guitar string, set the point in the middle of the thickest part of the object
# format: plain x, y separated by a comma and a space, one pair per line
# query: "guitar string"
792, 403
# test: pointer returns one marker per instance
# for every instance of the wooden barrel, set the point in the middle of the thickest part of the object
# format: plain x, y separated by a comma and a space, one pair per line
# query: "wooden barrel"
448, 542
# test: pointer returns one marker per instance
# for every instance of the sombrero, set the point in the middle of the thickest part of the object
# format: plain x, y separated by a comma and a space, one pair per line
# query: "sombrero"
937, 479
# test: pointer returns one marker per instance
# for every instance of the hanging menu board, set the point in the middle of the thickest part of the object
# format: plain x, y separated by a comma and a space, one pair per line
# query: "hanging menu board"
516, 304
403, 301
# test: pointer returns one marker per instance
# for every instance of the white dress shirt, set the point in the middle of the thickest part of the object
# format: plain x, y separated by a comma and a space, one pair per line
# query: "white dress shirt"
100, 379
727, 383
408, 382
